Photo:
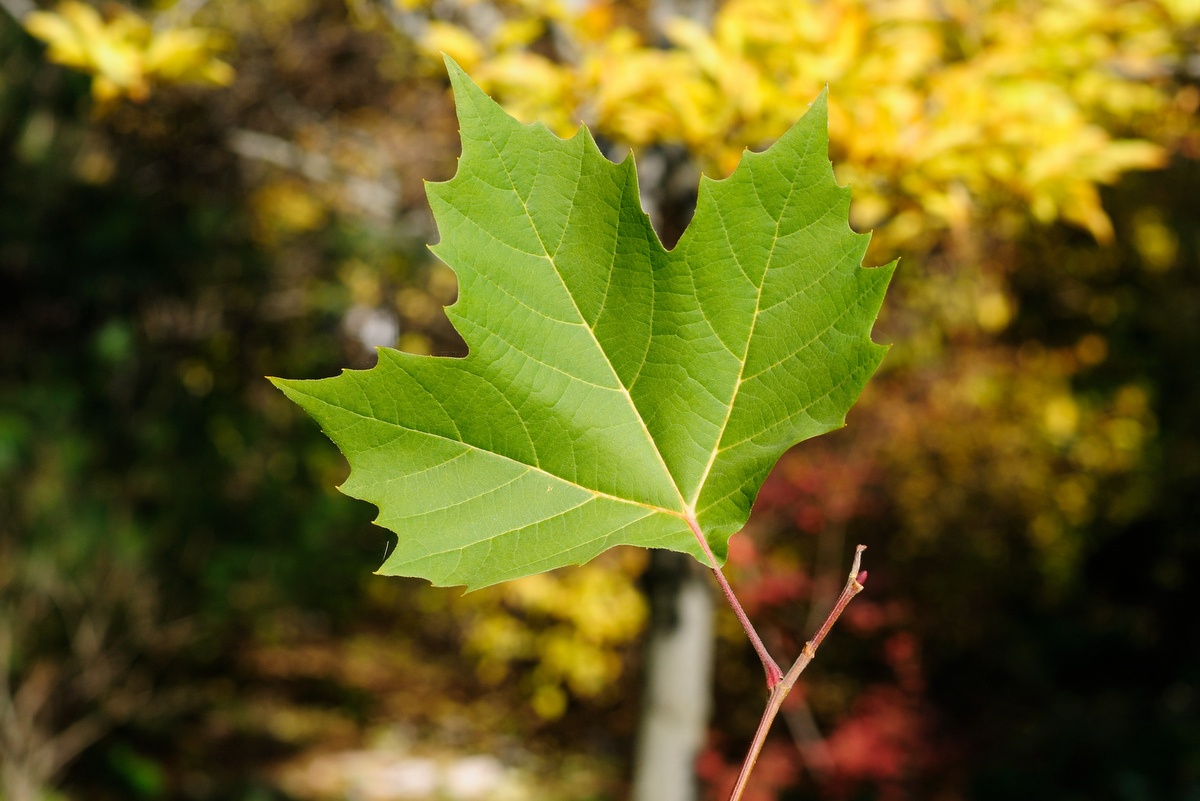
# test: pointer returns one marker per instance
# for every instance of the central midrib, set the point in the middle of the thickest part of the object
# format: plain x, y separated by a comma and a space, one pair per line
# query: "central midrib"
684, 509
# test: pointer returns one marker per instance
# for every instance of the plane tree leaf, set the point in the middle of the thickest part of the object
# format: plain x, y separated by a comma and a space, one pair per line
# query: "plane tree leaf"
615, 392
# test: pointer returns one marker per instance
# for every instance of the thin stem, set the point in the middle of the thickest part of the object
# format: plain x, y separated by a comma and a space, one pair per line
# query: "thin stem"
760, 737
854, 585
770, 666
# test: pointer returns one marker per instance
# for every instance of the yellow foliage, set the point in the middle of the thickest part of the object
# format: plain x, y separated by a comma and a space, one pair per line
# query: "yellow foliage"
1155, 242
125, 55
944, 111
459, 44
283, 208
1009, 426
569, 625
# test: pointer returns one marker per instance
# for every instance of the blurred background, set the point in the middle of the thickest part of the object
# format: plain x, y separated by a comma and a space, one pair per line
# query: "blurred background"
194, 195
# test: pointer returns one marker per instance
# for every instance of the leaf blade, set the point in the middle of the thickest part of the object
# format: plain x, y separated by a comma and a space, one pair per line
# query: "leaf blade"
614, 392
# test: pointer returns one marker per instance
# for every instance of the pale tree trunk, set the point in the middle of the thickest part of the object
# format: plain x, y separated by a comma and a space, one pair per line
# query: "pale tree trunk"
679, 648
679, 644
676, 701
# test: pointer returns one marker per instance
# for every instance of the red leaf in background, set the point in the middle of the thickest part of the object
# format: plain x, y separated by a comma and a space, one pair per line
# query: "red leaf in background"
776, 771
901, 653
882, 742
763, 582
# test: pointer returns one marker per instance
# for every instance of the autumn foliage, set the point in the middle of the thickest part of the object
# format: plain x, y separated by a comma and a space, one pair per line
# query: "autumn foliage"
230, 189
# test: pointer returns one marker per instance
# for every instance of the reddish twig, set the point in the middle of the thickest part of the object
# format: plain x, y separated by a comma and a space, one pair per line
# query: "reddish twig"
780, 690
770, 666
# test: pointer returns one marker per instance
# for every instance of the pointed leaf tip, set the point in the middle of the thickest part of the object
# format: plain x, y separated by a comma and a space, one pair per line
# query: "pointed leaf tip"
453, 68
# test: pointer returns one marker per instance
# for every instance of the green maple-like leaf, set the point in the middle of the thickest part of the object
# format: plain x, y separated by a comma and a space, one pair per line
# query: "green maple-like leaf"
615, 392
